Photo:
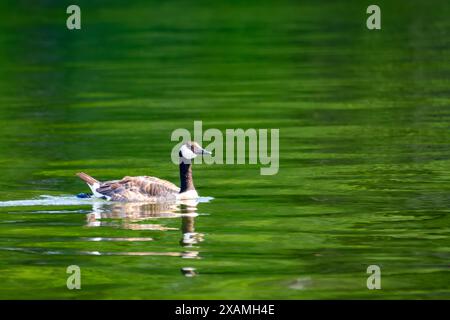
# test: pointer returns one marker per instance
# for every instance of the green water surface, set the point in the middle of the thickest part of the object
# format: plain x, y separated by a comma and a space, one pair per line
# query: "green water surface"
364, 120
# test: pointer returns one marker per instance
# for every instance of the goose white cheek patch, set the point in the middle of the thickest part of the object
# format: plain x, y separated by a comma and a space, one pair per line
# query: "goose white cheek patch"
187, 153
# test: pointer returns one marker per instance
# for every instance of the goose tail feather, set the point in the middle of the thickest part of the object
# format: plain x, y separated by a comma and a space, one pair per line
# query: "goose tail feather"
87, 178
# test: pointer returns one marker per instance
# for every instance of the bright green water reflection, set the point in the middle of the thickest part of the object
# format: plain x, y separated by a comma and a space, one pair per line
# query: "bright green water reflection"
364, 148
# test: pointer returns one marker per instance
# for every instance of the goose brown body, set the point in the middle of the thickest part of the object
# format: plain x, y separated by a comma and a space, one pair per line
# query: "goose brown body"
142, 188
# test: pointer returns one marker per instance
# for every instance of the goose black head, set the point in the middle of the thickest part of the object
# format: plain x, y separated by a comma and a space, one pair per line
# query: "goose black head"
191, 149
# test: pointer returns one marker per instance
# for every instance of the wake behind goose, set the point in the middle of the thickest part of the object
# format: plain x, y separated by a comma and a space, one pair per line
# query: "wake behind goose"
46, 200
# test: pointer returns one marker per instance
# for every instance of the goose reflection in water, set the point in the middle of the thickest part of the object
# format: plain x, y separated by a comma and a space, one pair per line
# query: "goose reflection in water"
131, 215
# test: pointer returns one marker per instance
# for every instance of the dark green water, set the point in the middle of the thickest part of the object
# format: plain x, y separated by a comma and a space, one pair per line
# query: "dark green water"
364, 148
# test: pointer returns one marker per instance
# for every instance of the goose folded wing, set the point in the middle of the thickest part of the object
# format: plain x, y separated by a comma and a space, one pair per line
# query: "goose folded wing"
134, 187
155, 186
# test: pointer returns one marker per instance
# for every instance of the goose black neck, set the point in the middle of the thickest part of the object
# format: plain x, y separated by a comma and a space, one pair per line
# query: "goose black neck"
186, 177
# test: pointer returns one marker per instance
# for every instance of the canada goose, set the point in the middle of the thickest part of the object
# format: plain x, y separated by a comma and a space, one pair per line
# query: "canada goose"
144, 188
